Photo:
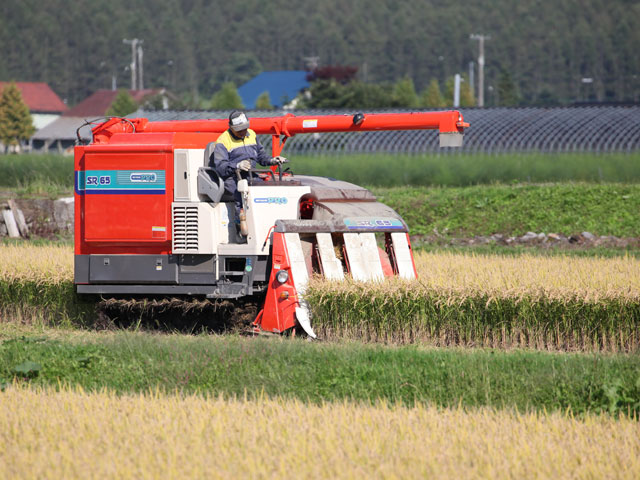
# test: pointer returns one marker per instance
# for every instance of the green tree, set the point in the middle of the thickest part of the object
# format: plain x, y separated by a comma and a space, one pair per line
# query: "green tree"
448, 91
16, 124
404, 93
331, 94
162, 100
122, 105
238, 69
367, 95
226, 98
507, 95
467, 99
432, 96
324, 94
264, 102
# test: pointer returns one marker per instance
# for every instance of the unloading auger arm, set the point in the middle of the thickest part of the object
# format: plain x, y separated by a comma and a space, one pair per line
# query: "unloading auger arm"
449, 124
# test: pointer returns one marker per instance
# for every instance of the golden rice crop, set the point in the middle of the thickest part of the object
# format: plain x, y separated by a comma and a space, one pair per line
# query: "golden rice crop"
463, 299
51, 264
590, 279
459, 299
73, 434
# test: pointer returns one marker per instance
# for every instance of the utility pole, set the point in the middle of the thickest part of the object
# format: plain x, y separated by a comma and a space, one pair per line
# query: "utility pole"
481, 38
140, 70
136, 61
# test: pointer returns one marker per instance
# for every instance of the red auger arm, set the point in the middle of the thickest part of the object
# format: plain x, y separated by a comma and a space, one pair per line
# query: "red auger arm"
450, 125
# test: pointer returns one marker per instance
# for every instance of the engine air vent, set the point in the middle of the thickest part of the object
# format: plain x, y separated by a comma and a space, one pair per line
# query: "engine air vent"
185, 228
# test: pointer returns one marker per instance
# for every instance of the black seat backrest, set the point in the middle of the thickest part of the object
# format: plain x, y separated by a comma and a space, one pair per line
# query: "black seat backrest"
210, 184
208, 152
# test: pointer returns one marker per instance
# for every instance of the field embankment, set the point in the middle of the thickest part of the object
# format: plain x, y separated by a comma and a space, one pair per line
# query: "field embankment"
556, 303
54, 434
607, 209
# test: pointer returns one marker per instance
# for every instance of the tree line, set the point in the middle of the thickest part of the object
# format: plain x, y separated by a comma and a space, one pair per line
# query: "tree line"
543, 51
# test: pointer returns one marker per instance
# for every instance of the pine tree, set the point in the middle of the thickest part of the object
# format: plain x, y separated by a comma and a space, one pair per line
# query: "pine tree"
226, 98
16, 124
404, 93
432, 96
122, 105
449, 86
264, 102
507, 95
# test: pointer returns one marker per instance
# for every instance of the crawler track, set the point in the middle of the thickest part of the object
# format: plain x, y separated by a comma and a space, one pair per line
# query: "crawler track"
178, 314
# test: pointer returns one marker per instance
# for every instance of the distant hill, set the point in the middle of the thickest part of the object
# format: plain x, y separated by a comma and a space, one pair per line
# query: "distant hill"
192, 46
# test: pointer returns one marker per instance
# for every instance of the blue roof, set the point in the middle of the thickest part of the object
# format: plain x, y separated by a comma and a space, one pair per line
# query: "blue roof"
280, 85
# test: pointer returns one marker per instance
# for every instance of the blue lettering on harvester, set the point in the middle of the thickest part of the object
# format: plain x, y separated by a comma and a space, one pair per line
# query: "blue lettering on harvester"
271, 200
366, 223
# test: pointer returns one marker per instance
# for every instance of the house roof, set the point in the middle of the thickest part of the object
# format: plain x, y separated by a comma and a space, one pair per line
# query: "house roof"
97, 104
63, 128
39, 97
280, 85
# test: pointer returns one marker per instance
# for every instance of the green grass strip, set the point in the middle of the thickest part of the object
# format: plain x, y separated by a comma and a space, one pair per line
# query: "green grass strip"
35, 171
36, 174
463, 169
608, 209
320, 372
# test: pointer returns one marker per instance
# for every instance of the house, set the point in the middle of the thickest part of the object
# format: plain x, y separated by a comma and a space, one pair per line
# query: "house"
44, 105
62, 134
283, 87
97, 104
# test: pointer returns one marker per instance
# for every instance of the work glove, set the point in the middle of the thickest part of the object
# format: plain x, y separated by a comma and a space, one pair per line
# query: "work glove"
278, 160
244, 165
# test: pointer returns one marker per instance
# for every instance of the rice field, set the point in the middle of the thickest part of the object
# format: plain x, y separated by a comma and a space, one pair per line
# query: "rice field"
481, 300
73, 434
590, 279
553, 303
52, 264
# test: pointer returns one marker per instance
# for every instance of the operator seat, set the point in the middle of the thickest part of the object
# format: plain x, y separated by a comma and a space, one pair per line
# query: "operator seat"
209, 182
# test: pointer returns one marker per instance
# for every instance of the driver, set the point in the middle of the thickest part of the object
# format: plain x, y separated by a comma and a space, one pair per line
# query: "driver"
239, 149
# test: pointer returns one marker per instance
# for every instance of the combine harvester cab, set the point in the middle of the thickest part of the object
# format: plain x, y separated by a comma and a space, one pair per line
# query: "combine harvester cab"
152, 219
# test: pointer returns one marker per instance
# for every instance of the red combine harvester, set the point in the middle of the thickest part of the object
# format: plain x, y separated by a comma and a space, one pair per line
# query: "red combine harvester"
152, 218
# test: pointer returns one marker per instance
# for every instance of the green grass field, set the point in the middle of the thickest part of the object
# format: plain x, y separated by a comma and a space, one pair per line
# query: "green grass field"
602, 209
36, 175
457, 170
507, 208
317, 372
33, 173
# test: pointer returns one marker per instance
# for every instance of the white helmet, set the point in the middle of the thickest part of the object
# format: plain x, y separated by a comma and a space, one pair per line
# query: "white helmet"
238, 121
